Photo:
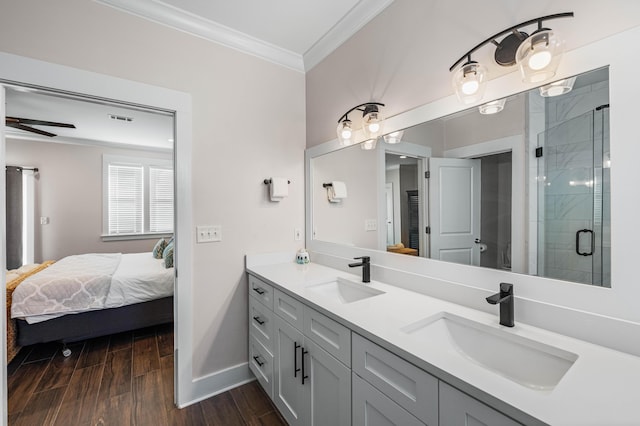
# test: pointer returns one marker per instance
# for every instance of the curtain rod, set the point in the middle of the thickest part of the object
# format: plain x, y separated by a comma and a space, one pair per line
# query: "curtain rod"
35, 169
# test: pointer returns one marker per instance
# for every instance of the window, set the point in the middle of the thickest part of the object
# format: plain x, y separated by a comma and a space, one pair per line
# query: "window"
137, 196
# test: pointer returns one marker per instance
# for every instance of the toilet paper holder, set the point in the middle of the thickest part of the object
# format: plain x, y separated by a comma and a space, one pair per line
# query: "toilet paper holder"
268, 181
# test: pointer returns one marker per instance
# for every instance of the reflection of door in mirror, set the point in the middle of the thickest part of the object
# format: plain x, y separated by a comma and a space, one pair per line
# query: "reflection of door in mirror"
401, 172
390, 224
495, 223
454, 210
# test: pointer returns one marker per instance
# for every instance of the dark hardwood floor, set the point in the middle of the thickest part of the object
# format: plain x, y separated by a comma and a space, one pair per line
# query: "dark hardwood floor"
124, 379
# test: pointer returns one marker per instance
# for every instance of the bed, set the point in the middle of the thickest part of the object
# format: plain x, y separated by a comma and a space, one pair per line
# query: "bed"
91, 295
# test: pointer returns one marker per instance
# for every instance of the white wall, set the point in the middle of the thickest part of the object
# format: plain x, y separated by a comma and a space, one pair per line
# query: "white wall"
68, 190
344, 222
248, 124
470, 129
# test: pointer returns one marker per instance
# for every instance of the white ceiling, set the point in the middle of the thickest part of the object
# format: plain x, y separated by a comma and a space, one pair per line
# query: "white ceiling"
147, 130
297, 34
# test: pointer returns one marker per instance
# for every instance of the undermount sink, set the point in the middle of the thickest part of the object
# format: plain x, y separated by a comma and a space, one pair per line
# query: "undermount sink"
345, 291
528, 362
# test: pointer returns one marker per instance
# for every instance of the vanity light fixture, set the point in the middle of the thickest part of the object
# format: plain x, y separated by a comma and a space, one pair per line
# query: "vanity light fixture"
393, 137
372, 123
557, 88
368, 144
492, 107
537, 55
468, 81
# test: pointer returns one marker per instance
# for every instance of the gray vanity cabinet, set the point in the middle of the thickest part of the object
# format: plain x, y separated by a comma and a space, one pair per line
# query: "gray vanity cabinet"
261, 333
409, 388
457, 408
310, 358
373, 408
318, 372
311, 386
388, 390
289, 395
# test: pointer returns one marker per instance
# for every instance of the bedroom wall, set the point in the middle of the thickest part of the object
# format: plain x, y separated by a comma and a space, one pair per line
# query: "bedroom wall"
68, 191
248, 124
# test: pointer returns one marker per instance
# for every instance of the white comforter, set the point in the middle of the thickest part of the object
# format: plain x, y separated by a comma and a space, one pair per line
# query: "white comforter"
88, 282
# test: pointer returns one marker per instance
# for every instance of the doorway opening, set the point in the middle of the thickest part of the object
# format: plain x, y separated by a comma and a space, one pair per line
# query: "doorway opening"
495, 211
68, 162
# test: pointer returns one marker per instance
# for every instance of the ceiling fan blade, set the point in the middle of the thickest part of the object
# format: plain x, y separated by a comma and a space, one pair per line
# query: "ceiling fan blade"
39, 122
30, 129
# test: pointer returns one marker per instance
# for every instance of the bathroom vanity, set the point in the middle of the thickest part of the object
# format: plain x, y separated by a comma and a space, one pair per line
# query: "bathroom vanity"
329, 349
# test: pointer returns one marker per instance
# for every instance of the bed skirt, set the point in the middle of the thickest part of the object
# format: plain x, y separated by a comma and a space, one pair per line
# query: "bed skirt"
87, 325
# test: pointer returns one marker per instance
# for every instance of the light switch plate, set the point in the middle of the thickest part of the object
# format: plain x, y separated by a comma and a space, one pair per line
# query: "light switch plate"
208, 233
371, 225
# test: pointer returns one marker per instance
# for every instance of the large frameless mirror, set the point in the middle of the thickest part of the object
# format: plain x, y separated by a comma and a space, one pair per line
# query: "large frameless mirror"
525, 189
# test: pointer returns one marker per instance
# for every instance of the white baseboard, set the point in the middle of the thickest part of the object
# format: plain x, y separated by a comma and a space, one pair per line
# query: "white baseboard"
218, 382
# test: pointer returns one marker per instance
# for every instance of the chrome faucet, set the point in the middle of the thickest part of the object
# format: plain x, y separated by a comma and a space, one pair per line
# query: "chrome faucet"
366, 267
505, 299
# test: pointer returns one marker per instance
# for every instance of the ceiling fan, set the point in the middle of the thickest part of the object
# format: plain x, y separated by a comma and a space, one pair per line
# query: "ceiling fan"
26, 123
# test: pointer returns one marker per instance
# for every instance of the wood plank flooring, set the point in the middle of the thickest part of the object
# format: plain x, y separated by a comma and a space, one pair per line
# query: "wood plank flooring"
124, 379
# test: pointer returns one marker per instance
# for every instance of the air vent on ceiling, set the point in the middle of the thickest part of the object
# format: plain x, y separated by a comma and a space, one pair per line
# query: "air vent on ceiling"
121, 118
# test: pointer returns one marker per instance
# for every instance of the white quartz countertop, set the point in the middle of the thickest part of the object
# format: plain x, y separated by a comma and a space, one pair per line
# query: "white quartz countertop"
602, 387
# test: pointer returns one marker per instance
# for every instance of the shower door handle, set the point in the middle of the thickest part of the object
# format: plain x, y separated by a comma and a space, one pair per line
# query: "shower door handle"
593, 242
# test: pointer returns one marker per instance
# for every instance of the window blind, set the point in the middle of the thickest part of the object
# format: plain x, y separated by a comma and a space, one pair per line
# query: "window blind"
160, 199
126, 203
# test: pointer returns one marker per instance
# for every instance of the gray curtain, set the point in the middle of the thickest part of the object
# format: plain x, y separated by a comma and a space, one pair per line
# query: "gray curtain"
14, 217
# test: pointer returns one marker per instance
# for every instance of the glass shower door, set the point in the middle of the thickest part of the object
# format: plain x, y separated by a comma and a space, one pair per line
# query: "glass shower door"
573, 200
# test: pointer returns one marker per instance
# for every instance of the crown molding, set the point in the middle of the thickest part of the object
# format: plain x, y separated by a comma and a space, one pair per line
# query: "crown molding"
363, 12
179, 19
173, 17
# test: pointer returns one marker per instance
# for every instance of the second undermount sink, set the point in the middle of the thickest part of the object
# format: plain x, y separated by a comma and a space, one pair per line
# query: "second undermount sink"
530, 363
344, 291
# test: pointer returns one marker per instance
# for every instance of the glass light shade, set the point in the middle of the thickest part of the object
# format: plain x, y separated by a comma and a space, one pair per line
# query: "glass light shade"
372, 124
557, 88
492, 107
368, 144
539, 55
345, 133
468, 82
394, 137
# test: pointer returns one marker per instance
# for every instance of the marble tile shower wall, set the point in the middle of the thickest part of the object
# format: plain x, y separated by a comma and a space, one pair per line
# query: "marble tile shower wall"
570, 198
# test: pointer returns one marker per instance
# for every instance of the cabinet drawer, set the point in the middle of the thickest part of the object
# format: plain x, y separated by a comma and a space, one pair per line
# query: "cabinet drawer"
370, 407
406, 384
261, 364
288, 308
457, 408
261, 323
261, 291
328, 334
